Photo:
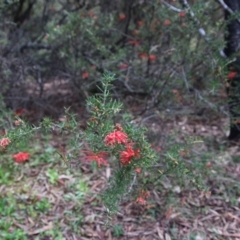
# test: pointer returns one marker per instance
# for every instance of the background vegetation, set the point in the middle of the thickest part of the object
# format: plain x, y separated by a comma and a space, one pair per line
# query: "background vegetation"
170, 77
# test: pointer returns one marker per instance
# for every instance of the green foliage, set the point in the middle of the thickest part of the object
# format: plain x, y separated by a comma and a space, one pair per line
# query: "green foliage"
102, 123
80, 38
103, 112
5, 175
117, 231
153, 56
43, 205
52, 175
18, 234
22, 195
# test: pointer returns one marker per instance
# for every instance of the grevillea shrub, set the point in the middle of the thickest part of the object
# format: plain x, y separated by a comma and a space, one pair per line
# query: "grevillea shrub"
123, 146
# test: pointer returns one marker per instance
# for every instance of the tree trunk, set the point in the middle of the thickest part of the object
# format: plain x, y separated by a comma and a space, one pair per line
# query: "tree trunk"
231, 50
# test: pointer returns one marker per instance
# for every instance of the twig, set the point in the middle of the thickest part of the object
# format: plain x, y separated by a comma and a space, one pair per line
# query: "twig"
132, 183
185, 78
33, 45
172, 7
211, 105
201, 31
147, 118
225, 6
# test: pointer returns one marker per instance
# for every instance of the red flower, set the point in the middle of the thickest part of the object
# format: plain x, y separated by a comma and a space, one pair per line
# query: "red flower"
158, 149
182, 14
167, 22
143, 55
121, 16
134, 42
138, 170
123, 66
116, 137
97, 157
19, 111
142, 196
85, 75
92, 15
4, 142
127, 155
152, 57
21, 157
175, 91
231, 75
18, 122
141, 200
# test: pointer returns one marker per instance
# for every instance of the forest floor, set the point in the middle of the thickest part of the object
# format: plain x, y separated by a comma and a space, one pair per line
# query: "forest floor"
45, 199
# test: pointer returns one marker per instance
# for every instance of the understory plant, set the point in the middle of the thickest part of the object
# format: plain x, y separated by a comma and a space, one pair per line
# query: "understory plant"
111, 140
115, 141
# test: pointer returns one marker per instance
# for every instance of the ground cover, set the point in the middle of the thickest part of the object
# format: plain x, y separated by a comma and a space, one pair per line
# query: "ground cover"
45, 199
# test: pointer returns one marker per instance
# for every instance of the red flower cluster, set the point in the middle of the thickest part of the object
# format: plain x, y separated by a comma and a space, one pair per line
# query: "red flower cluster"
146, 56
21, 157
138, 170
142, 197
116, 137
135, 43
123, 66
127, 155
182, 14
97, 157
152, 57
85, 75
121, 17
120, 137
167, 22
20, 111
141, 200
4, 142
231, 75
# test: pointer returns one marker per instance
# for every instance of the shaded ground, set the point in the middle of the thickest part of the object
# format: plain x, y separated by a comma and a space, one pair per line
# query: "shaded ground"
47, 200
